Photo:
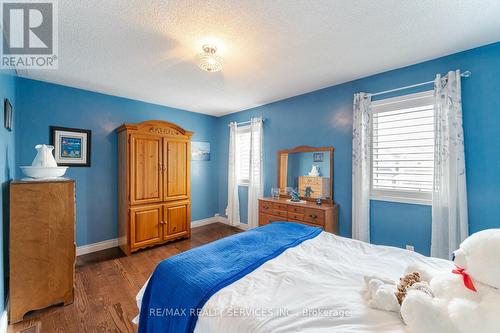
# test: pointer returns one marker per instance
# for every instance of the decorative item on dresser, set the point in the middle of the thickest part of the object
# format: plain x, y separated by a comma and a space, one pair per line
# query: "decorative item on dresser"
42, 245
153, 184
44, 165
324, 216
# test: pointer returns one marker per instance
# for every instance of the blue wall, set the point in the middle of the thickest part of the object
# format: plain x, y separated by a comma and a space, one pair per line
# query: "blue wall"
324, 117
41, 105
7, 173
401, 224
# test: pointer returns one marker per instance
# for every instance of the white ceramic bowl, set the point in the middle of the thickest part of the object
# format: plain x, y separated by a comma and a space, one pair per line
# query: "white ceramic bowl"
43, 172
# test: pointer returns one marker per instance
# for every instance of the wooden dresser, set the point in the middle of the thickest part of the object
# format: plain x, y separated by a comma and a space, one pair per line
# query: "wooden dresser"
153, 184
42, 245
324, 216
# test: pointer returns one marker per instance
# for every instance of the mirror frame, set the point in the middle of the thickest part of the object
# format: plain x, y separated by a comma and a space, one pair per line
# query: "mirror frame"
303, 149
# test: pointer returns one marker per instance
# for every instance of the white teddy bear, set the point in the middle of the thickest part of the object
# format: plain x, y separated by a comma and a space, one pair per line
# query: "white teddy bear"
465, 300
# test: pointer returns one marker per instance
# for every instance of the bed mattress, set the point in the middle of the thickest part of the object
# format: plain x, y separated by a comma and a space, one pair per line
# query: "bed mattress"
316, 286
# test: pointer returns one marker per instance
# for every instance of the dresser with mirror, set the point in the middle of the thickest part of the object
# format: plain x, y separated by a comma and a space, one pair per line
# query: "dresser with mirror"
309, 172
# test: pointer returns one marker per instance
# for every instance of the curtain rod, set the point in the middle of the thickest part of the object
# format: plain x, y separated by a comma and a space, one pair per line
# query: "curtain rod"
464, 74
245, 122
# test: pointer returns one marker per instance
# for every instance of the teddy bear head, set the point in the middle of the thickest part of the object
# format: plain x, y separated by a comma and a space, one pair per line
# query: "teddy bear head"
479, 255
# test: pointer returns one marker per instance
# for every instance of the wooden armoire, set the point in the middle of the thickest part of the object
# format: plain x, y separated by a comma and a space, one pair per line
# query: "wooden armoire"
153, 184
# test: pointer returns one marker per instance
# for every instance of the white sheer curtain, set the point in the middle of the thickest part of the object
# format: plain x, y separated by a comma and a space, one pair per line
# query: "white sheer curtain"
233, 204
361, 164
256, 179
449, 198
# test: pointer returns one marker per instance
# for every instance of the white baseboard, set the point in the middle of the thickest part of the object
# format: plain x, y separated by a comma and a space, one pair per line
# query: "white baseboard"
199, 223
223, 219
4, 321
242, 226
217, 219
107, 244
99, 246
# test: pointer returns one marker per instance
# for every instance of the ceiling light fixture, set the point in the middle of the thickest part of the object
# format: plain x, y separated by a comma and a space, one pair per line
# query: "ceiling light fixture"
208, 60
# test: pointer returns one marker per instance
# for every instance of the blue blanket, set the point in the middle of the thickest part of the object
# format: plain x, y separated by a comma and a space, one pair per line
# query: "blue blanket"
181, 285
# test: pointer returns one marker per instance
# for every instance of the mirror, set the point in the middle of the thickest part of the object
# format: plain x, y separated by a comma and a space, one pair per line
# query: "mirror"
307, 169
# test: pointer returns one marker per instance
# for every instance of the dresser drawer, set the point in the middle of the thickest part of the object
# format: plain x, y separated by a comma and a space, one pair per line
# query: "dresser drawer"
280, 213
265, 207
295, 216
315, 216
308, 181
296, 209
280, 206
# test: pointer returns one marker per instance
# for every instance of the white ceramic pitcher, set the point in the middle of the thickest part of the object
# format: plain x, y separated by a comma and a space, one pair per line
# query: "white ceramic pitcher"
44, 157
314, 171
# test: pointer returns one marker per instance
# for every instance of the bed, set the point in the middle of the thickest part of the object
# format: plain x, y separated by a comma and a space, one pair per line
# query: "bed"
316, 286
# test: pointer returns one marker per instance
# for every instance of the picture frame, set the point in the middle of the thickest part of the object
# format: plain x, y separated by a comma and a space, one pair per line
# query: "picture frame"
72, 146
318, 157
200, 151
7, 113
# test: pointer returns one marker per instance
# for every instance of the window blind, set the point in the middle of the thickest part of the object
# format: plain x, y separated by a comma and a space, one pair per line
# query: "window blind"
403, 147
243, 154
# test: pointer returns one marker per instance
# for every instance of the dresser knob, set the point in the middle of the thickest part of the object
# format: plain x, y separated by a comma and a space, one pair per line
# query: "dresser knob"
313, 216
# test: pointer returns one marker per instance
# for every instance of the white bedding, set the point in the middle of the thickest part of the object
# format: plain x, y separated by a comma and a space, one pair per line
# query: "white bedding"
314, 287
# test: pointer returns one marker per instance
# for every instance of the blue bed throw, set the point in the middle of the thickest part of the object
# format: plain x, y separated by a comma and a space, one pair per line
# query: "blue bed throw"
181, 285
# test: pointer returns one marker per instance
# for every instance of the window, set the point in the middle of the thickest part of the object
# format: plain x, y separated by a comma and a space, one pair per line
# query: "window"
403, 148
243, 154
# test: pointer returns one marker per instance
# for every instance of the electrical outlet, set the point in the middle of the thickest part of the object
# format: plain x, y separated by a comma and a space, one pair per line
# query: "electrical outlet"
410, 247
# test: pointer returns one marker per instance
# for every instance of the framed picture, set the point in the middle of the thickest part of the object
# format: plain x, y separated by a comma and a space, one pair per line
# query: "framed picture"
318, 157
200, 151
71, 146
7, 114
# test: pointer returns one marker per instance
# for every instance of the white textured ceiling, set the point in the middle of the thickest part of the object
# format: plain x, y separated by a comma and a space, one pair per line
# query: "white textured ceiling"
146, 50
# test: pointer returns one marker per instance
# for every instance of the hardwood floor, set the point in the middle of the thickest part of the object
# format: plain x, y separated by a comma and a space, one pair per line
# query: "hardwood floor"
106, 284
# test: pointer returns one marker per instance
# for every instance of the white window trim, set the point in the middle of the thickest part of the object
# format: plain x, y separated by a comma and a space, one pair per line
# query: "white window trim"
243, 129
417, 198
407, 197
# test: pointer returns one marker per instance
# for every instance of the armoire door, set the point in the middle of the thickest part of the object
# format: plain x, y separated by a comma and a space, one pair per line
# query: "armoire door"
176, 159
146, 225
176, 219
146, 166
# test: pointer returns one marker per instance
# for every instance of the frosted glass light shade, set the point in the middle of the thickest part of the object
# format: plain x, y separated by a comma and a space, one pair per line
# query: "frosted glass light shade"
208, 60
